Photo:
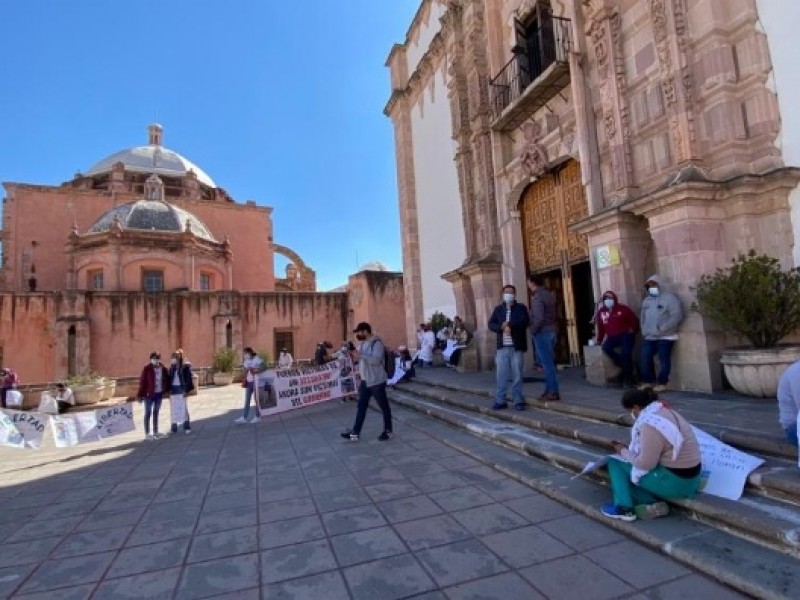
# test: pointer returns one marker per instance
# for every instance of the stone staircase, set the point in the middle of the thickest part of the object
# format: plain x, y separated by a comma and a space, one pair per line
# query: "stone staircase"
752, 544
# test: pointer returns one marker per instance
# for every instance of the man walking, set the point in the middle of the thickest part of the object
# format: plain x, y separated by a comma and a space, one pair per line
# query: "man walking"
372, 369
509, 321
616, 328
662, 313
543, 331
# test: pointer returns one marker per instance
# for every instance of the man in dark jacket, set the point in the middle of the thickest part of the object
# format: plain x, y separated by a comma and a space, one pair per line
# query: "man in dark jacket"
616, 328
543, 331
509, 321
152, 385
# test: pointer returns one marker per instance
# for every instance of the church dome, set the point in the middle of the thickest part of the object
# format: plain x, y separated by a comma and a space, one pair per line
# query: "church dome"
374, 266
152, 215
152, 158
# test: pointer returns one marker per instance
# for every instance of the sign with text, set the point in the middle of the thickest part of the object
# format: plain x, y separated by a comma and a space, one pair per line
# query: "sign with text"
725, 469
285, 389
72, 429
21, 429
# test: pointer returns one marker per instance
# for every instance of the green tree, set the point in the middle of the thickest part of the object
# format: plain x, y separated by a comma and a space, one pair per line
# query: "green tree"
224, 360
439, 321
753, 298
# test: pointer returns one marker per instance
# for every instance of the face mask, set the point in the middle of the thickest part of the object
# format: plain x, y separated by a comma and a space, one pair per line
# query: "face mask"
508, 298
653, 291
248, 356
361, 336
609, 303
173, 361
154, 361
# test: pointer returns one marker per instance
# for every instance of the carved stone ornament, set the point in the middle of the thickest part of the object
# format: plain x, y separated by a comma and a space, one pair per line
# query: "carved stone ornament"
610, 124
668, 87
534, 155
597, 32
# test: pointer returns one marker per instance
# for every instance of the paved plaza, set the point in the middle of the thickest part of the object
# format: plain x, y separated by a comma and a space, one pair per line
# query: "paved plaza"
287, 509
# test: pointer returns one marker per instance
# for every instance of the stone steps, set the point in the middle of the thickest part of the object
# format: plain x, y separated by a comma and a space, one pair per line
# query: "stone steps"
712, 534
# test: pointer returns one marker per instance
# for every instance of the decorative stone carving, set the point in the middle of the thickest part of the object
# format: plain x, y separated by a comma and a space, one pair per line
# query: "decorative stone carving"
534, 155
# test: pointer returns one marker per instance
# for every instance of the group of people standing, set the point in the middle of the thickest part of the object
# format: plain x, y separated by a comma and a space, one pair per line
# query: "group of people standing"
157, 381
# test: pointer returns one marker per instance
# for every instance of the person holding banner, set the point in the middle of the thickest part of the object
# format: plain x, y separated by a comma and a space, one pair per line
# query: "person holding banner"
661, 463
152, 385
372, 369
253, 366
180, 384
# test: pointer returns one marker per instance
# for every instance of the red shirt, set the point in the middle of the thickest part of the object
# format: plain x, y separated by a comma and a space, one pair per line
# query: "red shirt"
619, 319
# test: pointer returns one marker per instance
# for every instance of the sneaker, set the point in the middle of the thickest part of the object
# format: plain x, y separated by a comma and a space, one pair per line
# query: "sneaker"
149, 437
240, 421
187, 431
659, 387
652, 511
519, 406
386, 435
499, 406
255, 420
622, 513
349, 435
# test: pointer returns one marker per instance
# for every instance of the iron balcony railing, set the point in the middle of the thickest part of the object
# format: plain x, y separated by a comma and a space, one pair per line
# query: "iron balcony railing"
546, 45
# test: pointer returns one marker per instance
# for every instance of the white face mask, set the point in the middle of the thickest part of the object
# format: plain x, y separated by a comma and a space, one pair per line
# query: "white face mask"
154, 361
248, 356
609, 303
508, 298
173, 361
653, 291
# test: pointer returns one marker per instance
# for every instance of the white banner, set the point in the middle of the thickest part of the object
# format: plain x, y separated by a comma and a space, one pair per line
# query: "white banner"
21, 429
76, 428
725, 469
177, 408
285, 389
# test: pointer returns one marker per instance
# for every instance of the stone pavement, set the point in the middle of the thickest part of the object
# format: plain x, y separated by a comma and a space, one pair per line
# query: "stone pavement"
286, 509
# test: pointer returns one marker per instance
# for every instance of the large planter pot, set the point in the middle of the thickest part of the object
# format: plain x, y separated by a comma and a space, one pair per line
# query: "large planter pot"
223, 378
755, 372
109, 389
90, 393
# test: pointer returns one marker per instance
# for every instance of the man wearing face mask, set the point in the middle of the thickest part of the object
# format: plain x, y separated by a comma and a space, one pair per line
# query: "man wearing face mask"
371, 367
662, 314
544, 325
509, 321
152, 385
616, 328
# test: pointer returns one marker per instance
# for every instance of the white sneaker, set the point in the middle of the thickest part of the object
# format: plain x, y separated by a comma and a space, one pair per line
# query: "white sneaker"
187, 431
255, 420
240, 421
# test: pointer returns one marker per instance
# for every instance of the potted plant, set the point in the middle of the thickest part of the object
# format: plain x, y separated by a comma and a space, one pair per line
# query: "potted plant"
223, 363
756, 300
87, 387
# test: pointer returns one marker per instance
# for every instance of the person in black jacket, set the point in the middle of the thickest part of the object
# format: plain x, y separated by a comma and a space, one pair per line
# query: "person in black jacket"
180, 384
510, 321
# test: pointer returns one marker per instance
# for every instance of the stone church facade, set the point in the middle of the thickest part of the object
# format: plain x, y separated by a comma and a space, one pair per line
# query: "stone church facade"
593, 142
145, 252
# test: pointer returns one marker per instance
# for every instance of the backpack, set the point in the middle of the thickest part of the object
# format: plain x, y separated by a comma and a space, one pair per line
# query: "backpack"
388, 360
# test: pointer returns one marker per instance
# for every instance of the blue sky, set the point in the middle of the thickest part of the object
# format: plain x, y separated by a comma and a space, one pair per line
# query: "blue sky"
280, 101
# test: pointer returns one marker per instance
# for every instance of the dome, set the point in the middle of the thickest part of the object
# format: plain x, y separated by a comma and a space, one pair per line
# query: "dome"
152, 215
152, 158
374, 266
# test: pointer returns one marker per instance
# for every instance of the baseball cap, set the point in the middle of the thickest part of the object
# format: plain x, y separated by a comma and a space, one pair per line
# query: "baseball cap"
363, 326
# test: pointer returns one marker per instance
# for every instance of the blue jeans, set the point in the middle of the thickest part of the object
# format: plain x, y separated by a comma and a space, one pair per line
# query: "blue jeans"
545, 344
364, 394
248, 396
664, 350
152, 404
624, 358
791, 434
508, 363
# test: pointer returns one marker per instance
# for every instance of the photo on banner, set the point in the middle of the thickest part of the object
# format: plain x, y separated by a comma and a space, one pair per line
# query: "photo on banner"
84, 427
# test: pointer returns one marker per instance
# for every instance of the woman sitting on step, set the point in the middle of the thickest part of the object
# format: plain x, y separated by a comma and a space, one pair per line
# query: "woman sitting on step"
662, 462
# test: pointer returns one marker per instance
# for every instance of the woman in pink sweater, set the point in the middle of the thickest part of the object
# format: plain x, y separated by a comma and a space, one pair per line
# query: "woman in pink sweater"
662, 461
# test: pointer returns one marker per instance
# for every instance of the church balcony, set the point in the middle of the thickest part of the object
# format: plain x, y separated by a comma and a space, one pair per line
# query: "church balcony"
537, 72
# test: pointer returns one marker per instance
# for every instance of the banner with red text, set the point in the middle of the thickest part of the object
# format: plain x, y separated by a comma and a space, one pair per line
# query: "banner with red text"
284, 389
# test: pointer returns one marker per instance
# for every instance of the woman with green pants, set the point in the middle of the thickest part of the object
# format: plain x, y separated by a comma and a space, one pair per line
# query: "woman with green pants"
662, 462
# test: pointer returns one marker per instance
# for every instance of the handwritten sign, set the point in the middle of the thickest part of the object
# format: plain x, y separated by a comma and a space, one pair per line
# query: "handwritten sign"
725, 469
72, 429
19, 429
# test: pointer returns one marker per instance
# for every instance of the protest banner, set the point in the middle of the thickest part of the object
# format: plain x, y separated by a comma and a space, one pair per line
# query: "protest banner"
20, 429
725, 469
287, 389
72, 429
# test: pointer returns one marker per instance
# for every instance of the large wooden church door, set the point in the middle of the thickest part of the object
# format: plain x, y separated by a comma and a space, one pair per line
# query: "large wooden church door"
549, 206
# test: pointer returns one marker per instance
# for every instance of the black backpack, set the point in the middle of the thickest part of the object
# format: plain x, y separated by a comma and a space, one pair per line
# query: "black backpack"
388, 360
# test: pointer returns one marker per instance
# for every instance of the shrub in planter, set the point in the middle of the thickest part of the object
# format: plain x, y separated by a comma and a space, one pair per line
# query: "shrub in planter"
223, 362
754, 299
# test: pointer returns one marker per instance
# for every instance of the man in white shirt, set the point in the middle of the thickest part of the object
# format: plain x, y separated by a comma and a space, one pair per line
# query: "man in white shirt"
285, 360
